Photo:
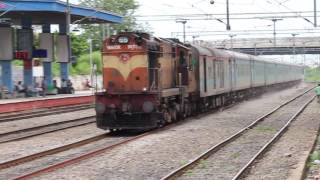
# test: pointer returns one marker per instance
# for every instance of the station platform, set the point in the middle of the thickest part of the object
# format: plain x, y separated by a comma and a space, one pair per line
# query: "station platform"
22, 104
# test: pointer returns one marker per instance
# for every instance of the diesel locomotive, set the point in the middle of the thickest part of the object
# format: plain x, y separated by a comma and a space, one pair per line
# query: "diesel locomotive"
150, 81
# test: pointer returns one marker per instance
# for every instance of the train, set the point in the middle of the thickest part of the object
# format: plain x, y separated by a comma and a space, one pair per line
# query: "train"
149, 81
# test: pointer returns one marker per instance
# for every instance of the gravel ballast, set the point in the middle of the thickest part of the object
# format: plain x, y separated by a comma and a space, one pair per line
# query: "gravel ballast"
153, 156
289, 152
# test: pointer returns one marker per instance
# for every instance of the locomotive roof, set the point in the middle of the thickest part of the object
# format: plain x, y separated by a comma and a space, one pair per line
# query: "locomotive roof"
176, 42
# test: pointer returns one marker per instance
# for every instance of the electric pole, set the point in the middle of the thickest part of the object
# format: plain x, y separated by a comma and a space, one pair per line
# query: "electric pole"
315, 12
274, 31
228, 22
183, 21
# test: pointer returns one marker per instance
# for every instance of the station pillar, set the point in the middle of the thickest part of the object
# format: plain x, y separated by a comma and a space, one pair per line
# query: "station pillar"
6, 74
63, 52
6, 57
25, 45
47, 42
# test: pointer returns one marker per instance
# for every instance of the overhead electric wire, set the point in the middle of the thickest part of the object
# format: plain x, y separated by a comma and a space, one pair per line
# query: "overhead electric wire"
259, 30
222, 18
223, 14
242, 33
303, 17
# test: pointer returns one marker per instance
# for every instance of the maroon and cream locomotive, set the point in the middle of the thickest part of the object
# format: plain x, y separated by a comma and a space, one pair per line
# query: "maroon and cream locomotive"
151, 81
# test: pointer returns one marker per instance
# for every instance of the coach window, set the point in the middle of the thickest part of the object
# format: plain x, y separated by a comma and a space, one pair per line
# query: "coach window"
214, 73
182, 59
205, 74
222, 74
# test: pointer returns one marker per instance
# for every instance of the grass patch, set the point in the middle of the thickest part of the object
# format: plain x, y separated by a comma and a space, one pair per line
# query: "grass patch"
203, 164
183, 162
189, 172
235, 155
265, 129
314, 156
312, 74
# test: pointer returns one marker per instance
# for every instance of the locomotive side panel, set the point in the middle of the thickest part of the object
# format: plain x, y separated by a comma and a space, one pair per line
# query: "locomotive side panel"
167, 65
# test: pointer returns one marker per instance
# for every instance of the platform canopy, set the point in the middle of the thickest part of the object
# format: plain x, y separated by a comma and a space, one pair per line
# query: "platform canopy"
53, 12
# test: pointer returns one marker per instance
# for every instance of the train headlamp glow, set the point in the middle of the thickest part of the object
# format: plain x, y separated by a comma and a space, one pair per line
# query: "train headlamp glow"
144, 89
147, 107
112, 106
100, 108
123, 40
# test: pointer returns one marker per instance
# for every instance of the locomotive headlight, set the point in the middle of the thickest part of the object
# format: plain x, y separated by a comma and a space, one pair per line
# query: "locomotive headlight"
147, 107
144, 89
100, 108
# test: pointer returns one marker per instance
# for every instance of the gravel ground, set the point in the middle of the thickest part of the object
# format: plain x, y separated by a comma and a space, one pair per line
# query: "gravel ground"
295, 143
14, 172
13, 136
226, 162
149, 157
17, 149
313, 169
44, 120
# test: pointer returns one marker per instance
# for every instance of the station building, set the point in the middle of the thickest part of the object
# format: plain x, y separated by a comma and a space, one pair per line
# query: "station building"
17, 18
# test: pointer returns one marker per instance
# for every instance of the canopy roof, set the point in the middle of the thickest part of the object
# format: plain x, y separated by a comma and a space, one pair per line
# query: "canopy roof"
53, 12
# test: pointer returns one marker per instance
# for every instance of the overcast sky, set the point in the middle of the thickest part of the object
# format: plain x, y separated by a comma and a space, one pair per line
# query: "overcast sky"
236, 6
170, 28
184, 7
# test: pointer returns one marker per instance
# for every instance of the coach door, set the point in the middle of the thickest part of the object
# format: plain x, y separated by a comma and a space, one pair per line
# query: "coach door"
232, 79
183, 67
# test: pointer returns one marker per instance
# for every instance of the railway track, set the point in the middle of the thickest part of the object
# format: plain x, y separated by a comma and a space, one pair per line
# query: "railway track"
70, 161
35, 156
44, 112
74, 160
39, 130
216, 161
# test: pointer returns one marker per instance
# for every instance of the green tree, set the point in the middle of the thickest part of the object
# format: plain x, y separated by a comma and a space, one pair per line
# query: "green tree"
79, 45
125, 8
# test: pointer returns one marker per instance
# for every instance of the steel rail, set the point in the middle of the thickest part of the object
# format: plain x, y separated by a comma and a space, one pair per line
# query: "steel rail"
271, 141
79, 158
56, 150
177, 172
29, 158
20, 116
3, 135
